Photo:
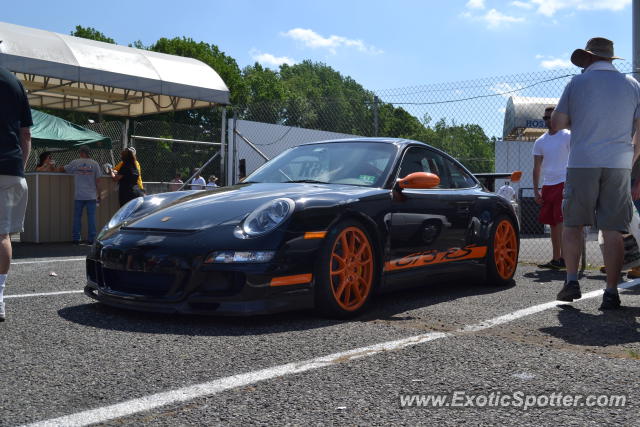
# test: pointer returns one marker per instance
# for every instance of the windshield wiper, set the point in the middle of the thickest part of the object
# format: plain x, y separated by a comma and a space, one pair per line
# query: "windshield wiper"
307, 181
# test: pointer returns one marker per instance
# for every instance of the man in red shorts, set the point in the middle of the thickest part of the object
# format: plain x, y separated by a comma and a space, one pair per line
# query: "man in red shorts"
550, 156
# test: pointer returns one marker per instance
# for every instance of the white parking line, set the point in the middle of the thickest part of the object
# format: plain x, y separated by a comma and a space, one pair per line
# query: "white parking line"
210, 388
48, 260
42, 294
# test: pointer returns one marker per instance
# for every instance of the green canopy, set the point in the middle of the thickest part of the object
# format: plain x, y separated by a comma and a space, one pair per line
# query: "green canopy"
53, 132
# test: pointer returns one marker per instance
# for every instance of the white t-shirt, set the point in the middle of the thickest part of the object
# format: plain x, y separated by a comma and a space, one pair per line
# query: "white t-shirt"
198, 183
554, 150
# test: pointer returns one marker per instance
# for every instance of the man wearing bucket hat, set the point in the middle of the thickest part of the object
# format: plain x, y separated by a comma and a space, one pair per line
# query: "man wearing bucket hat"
601, 107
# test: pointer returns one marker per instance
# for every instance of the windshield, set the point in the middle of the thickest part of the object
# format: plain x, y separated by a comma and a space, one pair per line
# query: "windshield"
353, 163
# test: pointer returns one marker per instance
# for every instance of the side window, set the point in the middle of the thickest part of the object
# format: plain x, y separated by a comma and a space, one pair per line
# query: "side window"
423, 160
459, 177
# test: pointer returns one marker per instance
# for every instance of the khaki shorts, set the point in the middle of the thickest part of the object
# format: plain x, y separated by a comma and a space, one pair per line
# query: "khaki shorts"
598, 196
13, 203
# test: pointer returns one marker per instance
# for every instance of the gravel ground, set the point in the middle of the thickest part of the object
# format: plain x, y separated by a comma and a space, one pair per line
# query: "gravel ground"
65, 353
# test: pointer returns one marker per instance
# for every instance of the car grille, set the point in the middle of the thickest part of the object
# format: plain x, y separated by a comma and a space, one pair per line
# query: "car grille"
137, 283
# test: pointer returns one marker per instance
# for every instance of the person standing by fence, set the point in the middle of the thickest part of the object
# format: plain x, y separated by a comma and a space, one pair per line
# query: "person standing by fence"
550, 156
600, 106
86, 172
198, 182
15, 146
139, 183
127, 177
176, 183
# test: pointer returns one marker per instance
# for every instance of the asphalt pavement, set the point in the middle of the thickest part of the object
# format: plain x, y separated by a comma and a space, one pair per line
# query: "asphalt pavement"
64, 354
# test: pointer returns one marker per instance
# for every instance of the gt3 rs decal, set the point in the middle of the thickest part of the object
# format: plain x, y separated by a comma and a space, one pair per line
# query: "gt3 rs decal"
421, 259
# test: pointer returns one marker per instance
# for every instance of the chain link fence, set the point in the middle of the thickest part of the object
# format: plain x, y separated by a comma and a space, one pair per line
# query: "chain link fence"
168, 151
488, 124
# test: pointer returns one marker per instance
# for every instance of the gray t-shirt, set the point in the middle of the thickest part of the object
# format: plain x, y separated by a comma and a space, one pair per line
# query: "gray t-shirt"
85, 172
602, 104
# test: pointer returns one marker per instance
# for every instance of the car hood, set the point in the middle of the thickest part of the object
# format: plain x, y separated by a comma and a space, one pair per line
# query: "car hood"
230, 205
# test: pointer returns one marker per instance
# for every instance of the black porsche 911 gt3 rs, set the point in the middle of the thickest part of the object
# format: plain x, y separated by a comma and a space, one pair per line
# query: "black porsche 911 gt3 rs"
323, 225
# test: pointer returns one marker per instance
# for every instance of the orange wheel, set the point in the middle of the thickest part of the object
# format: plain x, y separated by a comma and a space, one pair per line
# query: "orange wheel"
504, 260
347, 271
505, 249
351, 269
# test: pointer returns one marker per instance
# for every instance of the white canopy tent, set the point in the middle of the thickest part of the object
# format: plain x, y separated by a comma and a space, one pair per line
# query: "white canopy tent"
72, 73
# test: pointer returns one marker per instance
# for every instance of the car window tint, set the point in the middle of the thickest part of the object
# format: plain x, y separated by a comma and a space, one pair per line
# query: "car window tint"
418, 159
460, 178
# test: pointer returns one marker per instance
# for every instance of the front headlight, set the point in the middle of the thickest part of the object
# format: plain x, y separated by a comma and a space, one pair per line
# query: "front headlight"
125, 212
268, 216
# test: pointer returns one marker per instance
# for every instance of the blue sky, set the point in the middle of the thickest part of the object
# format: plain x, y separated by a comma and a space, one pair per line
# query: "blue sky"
381, 44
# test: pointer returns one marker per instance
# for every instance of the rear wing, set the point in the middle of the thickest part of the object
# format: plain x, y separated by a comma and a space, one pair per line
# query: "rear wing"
489, 179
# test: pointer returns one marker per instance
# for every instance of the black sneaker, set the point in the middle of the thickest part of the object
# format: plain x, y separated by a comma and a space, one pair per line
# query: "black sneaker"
569, 292
610, 301
554, 264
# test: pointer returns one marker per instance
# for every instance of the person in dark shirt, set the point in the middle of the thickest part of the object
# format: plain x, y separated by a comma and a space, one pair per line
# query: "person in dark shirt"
127, 177
15, 146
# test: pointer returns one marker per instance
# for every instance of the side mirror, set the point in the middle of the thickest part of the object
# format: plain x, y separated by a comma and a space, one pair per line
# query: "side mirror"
419, 181
515, 176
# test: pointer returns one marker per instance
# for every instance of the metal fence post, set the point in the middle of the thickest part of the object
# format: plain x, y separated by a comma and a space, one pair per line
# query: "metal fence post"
636, 39
376, 101
234, 148
125, 133
223, 145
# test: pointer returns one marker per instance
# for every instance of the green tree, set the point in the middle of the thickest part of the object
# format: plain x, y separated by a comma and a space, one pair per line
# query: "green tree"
468, 143
322, 98
92, 34
266, 94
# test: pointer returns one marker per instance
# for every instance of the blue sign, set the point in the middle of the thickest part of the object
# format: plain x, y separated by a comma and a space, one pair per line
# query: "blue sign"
535, 124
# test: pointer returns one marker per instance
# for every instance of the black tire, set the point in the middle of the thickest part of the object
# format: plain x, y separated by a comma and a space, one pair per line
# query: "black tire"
501, 263
360, 277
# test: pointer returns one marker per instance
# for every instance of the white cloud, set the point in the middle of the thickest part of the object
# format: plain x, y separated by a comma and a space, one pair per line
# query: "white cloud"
550, 62
506, 89
311, 39
271, 60
522, 5
550, 7
555, 63
475, 4
495, 19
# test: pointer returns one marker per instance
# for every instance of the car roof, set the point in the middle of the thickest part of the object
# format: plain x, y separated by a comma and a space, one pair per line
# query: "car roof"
400, 142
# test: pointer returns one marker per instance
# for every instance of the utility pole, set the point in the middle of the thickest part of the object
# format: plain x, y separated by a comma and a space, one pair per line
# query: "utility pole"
636, 39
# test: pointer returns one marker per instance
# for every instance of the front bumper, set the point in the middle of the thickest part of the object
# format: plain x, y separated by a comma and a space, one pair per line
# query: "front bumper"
172, 278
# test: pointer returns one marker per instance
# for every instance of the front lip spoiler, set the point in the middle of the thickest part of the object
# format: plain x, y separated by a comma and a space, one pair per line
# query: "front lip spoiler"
160, 230
207, 305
